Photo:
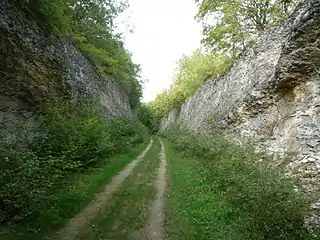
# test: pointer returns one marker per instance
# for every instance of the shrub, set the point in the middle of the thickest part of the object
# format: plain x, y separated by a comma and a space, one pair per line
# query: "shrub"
261, 195
72, 137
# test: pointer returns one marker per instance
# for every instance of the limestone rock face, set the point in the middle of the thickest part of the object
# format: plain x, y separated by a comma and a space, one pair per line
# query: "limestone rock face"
271, 95
35, 66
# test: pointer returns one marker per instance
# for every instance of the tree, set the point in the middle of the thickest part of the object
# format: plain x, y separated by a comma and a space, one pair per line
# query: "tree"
228, 25
191, 72
146, 115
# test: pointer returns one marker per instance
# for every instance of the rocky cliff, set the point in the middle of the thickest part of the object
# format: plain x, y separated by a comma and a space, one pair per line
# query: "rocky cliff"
271, 95
35, 66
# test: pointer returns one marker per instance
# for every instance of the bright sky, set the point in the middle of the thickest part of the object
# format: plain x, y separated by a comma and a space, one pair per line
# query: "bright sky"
164, 30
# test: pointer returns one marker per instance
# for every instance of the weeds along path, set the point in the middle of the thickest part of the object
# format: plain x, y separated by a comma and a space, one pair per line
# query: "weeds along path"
155, 228
82, 219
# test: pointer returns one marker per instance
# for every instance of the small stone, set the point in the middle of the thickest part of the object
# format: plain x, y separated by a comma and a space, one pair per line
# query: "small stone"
312, 143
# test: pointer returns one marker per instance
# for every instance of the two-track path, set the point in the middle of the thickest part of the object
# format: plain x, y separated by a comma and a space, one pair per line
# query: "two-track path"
156, 231
131, 206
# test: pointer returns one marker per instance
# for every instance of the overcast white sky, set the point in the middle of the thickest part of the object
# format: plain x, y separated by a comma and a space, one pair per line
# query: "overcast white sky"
164, 30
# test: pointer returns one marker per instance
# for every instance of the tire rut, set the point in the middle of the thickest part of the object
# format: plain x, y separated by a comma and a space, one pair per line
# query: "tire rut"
155, 229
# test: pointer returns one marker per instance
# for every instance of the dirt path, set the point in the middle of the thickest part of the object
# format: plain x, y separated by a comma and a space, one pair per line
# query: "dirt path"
83, 218
155, 226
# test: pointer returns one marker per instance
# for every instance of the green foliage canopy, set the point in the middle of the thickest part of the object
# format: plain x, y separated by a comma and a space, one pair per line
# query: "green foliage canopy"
229, 25
191, 72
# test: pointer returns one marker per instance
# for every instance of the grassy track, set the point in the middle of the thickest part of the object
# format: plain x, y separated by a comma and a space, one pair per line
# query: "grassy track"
196, 205
126, 215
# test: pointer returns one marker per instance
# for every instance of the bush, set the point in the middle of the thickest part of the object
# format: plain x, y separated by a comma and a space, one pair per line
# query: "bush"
71, 138
261, 195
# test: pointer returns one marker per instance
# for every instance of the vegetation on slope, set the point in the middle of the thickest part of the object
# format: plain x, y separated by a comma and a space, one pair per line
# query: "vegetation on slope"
69, 139
192, 71
222, 191
91, 24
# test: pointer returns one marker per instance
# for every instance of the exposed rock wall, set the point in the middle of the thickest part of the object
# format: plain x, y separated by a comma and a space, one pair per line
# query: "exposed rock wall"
35, 67
271, 94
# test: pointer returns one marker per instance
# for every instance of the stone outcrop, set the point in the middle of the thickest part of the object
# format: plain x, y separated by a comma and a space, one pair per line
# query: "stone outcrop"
271, 95
35, 66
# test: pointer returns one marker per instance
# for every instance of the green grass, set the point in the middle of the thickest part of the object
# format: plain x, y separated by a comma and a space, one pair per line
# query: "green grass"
217, 196
194, 208
75, 193
126, 215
